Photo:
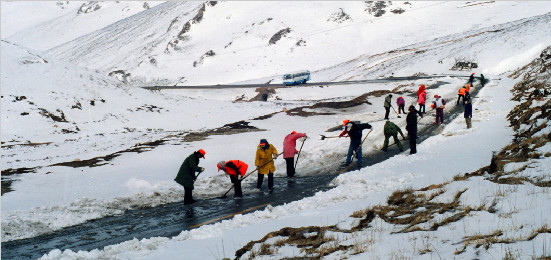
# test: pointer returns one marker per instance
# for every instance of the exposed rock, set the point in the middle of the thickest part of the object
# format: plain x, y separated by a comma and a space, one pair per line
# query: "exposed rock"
277, 36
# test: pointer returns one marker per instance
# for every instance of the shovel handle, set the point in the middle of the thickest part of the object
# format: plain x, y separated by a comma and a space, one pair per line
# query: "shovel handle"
249, 174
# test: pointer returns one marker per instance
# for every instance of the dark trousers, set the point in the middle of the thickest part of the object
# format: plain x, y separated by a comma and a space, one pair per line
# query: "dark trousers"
401, 108
387, 112
412, 143
355, 144
422, 108
290, 166
440, 115
236, 186
460, 97
261, 179
188, 195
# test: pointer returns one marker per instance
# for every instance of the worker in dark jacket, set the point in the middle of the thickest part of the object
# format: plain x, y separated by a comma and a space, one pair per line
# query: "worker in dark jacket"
482, 80
186, 175
354, 131
411, 127
387, 105
468, 114
235, 169
392, 129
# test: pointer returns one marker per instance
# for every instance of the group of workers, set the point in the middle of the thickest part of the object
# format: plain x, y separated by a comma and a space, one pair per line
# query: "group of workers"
236, 169
266, 152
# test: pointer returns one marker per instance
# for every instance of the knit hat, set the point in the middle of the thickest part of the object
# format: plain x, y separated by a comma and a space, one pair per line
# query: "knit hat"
344, 122
221, 165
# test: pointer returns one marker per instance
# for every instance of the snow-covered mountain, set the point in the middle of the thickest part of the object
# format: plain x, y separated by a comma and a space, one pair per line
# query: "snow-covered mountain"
81, 141
225, 42
41, 25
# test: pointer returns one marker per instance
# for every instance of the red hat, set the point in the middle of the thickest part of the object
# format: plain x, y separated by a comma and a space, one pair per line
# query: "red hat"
202, 152
473, 73
435, 96
344, 122
294, 132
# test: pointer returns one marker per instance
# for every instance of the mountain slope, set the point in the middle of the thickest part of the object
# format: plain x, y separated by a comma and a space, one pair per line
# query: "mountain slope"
43, 25
260, 39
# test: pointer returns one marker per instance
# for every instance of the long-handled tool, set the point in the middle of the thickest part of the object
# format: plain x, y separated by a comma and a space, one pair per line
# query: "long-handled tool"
356, 151
247, 175
298, 156
323, 137
196, 176
396, 112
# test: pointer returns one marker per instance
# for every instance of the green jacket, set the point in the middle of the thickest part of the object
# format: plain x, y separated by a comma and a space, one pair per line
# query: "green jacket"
388, 100
186, 174
392, 129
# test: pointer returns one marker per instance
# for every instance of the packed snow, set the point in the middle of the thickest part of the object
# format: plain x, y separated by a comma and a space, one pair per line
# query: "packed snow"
59, 105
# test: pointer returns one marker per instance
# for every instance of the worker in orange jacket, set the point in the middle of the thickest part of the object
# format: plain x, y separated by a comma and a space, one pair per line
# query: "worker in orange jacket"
461, 95
468, 90
236, 169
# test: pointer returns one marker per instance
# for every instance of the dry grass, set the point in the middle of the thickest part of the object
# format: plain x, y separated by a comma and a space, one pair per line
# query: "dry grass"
414, 210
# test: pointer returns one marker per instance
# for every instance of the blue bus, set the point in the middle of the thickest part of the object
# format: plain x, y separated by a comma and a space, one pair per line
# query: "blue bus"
298, 77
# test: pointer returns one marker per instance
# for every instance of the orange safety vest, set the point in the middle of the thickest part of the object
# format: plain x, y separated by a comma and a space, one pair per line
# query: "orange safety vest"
468, 87
462, 91
242, 166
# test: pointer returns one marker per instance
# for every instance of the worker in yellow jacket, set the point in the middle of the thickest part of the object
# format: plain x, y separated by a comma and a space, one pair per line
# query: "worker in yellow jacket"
265, 154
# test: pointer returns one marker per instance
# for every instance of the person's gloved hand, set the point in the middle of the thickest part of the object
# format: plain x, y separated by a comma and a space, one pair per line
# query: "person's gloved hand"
201, 169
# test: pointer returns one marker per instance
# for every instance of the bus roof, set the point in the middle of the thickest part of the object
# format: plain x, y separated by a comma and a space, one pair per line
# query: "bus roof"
296, 72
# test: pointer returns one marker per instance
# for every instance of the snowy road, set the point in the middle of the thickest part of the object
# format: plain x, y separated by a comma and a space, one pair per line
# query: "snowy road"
171, 219
327, 83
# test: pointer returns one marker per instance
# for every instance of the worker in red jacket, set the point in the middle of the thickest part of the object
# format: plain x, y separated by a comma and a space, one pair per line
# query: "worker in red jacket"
289, 151
236, 169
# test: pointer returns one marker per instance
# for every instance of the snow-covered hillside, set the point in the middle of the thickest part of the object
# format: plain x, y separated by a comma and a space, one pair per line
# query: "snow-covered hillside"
78, 144
224, 42
41, 25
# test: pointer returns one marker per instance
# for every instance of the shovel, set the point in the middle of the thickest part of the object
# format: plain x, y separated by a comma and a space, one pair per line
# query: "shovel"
323, 137
298, 156
396, 112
